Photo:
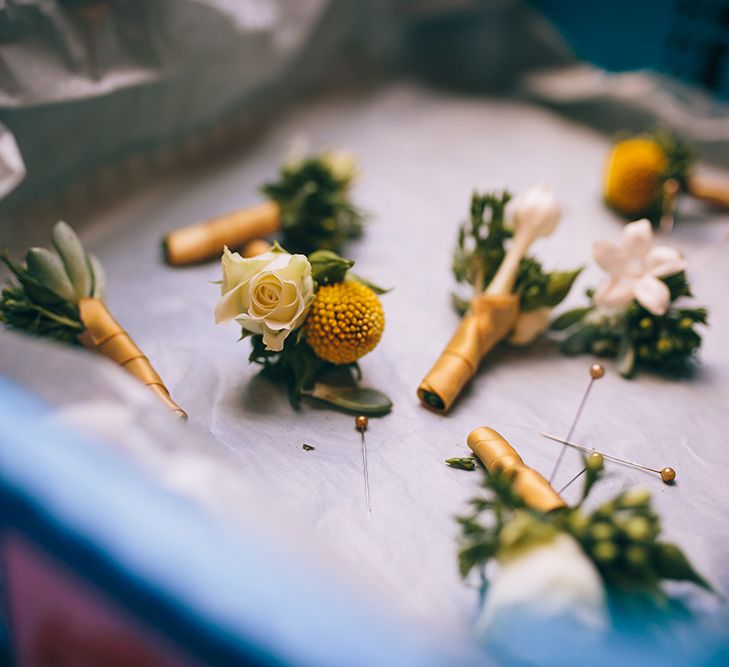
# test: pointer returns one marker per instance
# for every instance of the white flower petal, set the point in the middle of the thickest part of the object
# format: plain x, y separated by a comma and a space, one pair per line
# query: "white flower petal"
615, 293
231, 304
653, 294
274, 340
608, 257
664, 261
637, 239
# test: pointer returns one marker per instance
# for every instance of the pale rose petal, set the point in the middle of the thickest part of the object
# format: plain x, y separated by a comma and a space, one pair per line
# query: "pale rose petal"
637, 239
615, 292
608, 257
274, 340
653, 294
249, 324
664, 261
231, 304
237, 269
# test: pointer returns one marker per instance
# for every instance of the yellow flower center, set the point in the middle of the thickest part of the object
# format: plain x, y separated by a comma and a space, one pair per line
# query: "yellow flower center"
345, 322
633, 176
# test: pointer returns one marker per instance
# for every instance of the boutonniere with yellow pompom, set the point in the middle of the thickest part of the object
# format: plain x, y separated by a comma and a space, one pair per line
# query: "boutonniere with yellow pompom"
309, 206
646, 173
509, 294
310, 320
634, 315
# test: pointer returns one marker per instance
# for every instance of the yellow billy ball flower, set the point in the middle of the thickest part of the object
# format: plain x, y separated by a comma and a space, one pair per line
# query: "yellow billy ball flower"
345, 322
633, 176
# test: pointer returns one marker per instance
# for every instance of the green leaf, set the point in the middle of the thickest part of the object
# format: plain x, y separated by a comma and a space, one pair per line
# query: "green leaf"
559, 283
569, 318
48, 270
360, 400
671, 563
465, 463
99, 276
367, 283
580, 341
626, 357
328, 268
74, 258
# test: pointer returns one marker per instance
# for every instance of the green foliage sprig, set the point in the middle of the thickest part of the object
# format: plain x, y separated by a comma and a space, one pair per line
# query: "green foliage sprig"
481, 248
620, 536
314, 196
304, 373
636, 337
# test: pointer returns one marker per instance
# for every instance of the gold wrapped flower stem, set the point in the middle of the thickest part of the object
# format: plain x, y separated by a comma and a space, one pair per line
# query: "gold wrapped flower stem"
309, 204
496, 453
103, 334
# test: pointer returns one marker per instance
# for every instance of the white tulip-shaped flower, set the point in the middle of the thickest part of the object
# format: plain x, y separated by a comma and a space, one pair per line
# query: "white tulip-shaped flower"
634, 270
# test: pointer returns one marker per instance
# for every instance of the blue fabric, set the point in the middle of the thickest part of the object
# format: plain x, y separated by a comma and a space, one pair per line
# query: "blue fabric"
223, 597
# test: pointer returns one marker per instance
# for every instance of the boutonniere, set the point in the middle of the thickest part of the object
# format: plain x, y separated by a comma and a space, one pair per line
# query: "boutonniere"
646, 173
61, 296
310, 320
508, 293
309, 205
634, 315
548, 560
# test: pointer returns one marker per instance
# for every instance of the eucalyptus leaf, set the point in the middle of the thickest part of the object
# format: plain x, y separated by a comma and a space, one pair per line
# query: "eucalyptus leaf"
48, 270
74, 258
569, 318
99, 276
361, 400
671, 563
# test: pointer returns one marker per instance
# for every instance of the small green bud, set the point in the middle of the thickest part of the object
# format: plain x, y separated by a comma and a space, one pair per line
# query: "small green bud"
636, 498
637, 528
595, 462
685, 323
578, 522
604, 551
636, 556
646, 323
602, 530
644, 352
664, 345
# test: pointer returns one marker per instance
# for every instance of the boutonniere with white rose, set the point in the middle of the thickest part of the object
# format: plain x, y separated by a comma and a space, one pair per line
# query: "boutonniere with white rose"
310, 320
309, 206
635, 315
508, 295
578, 566
60, 296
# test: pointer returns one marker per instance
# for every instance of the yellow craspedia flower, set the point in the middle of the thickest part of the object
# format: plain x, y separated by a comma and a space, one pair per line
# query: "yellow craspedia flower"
345, 322
633, 176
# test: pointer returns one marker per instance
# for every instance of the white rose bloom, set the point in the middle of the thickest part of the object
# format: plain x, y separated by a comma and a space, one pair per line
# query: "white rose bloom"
269, 294
537, 207
553, 580
530, 325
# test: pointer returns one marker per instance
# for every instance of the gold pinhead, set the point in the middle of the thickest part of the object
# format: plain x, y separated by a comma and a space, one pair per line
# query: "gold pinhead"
361, 423
597, 371
668, 475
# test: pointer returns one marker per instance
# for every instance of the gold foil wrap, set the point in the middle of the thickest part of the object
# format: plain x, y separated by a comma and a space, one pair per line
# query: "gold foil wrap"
204, 241
714, 190
255, 247
105, 335
490, 319
497, 454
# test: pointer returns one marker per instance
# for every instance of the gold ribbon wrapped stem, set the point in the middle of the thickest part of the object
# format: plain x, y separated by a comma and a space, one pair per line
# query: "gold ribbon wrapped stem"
490, 319
255, 247
714, 190
105, 335
496, 453
206, 240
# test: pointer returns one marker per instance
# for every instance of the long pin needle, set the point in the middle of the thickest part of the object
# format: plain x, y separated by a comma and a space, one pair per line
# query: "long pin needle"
596, 372
667, 474
361, 424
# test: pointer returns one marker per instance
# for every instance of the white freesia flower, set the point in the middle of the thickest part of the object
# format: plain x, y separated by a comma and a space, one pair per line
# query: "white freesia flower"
634, 269
537, 207
529, 325
552, 580
269, 294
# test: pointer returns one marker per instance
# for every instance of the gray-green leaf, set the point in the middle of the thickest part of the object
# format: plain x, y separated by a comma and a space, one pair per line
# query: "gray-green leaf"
48, 270
361, 400
671, 563
74, 258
